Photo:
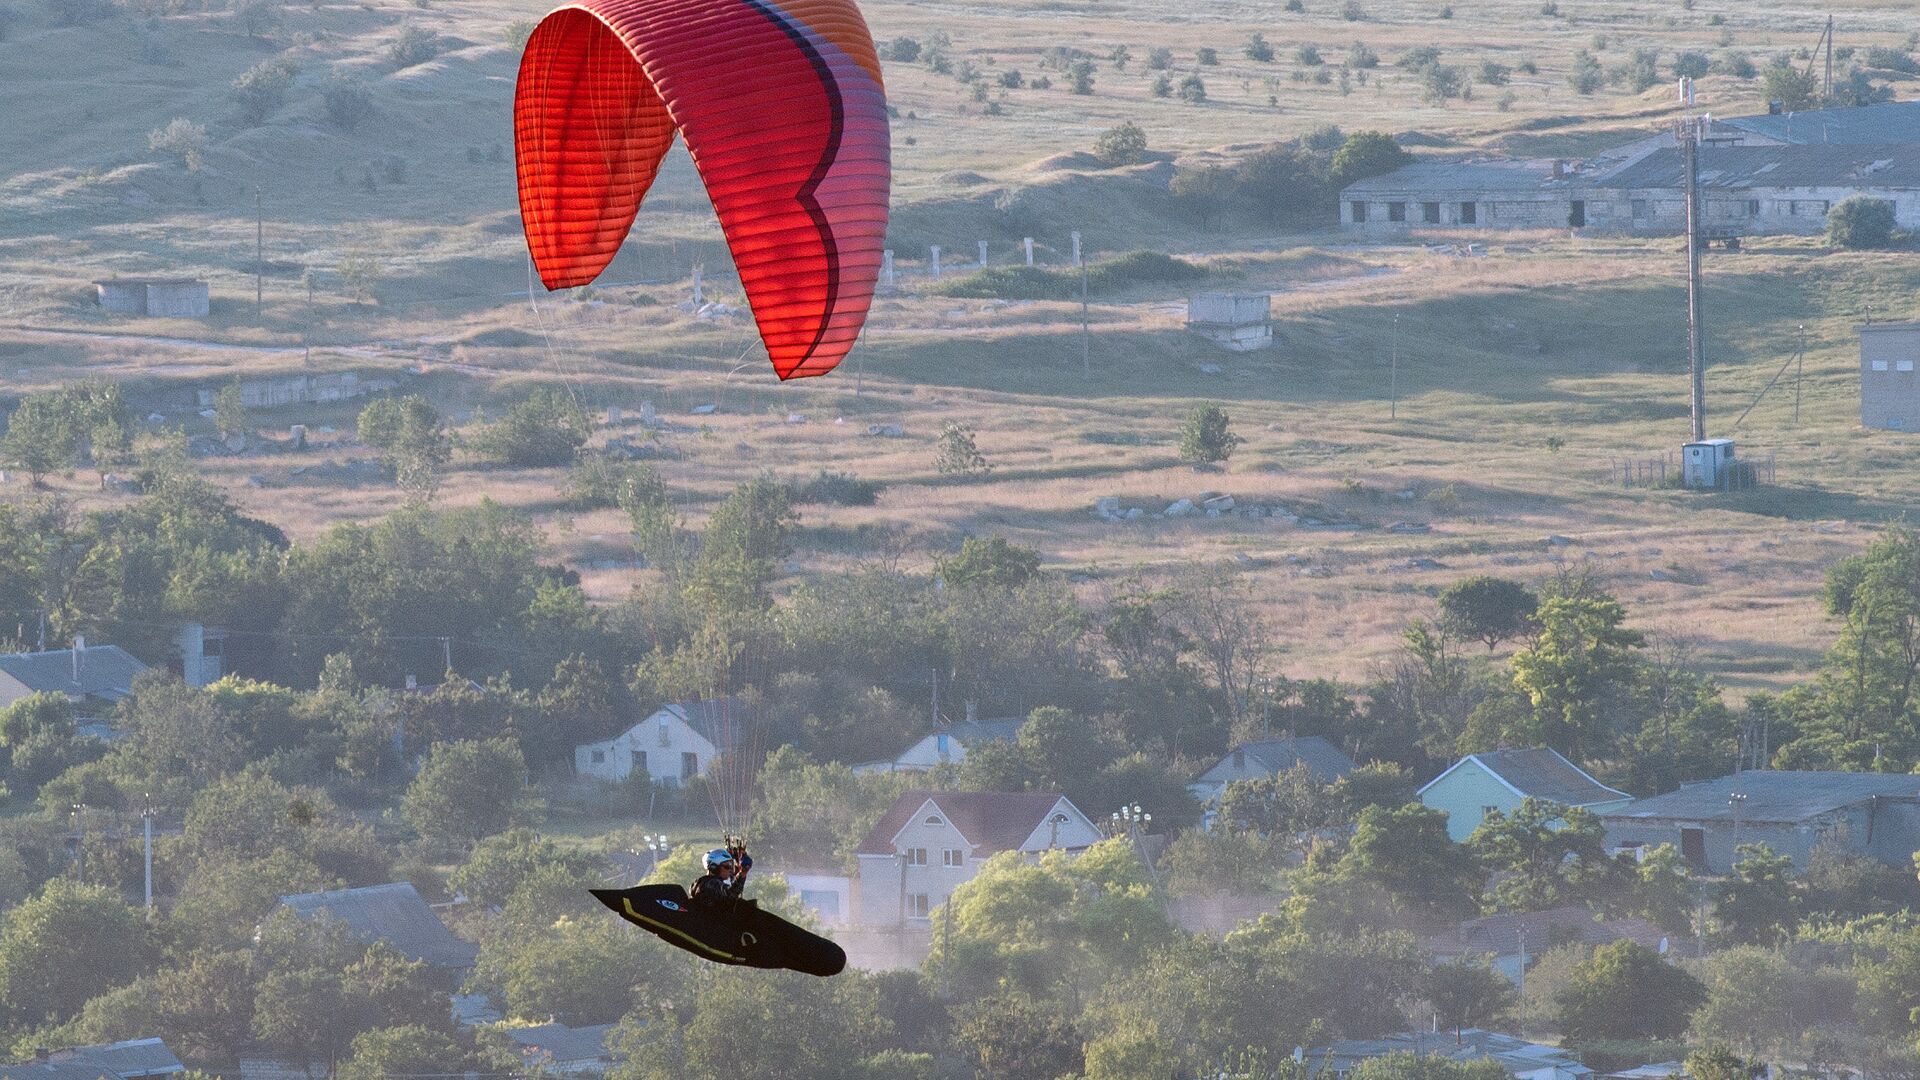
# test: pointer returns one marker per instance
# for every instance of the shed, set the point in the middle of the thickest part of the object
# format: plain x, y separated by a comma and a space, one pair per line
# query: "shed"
393, 913
1240, 322
1889, 387
1500, 780
160, 298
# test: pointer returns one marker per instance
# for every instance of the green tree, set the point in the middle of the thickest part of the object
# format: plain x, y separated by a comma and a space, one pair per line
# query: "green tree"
1758, 903
1488, 609
1124, 145
203, 1008
402, 1051
1784, 82
1016, 1038
1627, 991
577, 968
545, 429
1543, 854
743, 545
1207, 435
989, 562
1407, 853
182, 139
1663, 889
42, 741
64, 947
39, 436
1365, 154
465, 791
1860, 222
1761, 1002
956, 454
261, 90
1582, 659
1258, 49
1466, 994
770, 1026
1405, 1066
1714, 1062
413, 441
499, 864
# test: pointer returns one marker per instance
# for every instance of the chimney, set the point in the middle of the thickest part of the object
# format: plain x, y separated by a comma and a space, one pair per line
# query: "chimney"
973, 711
1559, 168
1775, 108
413, 683
79, 652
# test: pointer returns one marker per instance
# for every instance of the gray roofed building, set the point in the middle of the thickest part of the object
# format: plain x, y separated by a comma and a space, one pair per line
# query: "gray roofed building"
1873, 814
1514, 939
1270, 757
1500, 780
393, 913
1521, 1059
1744, 167
1888, 122
134, 1059
562, 1050
99, 674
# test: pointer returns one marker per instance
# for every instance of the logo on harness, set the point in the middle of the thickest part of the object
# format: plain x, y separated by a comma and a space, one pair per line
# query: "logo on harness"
668, 904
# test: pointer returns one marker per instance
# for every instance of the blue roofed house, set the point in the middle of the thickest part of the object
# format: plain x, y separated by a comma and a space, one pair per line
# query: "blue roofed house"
1479, 784
134, 1059
94, 678
1271, 757
393, 913
1871, 814
1521, 1059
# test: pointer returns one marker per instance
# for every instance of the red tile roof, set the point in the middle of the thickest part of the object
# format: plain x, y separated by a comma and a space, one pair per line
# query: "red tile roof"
992, 821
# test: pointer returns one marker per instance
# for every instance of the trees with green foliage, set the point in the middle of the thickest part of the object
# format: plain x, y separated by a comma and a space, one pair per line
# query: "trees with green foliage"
1858, 221
41, 740
1785, 82
1712, 1062
65, 947
412, 439
261, 90
500, 864
1465, 993
54, 430
1542, 854
1206, 435
761, 1025
546, 428
1488, 609
1581, 660
1258, 49
1758, 903
1124, 145
1406, 852
990, 561
1406, 1066
1762, 1002
1627, 991
956, 453
465, 791
1364, 154
1011, 1036
411, 1050
577, 968
745, 542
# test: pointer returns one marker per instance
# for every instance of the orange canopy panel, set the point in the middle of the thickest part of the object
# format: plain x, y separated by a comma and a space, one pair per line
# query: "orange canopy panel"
785, 116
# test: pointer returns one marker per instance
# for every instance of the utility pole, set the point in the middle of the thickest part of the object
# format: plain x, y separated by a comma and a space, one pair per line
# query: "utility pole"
1393, 375
1688, 133
1086, 364
259, 251
80, 842
1799, 373
1829, 86
146, 837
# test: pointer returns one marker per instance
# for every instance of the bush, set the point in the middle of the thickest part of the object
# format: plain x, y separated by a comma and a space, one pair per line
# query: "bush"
349, 103
1193, 90
1784, 82
1159, 58
1012, 80
1586, 76
1641, 72
837, 489
262, 89
1890, 59
1860, 222
1418, 58
1365, 154
1494, 74
1361, 57
1124, 145
1207, 435
902, 50
1206, 57
1691, 65
1080, 77
1353, 12
599, 482
1737, 64
548, 428
413, 45
1295, 7
182, 139
957, 453
1161, 86
1308, 54
1441, 83
1258, 49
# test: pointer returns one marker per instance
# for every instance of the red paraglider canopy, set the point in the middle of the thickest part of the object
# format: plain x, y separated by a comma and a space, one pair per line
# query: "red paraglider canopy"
785, 116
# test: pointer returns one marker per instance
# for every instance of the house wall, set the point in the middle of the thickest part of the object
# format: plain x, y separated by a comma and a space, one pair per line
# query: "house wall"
1754, 211
828, 896
123, 299
883, 881
1889, 383
1503, 210
932, 752
1793, 840
662, 737
1465, 793
178, 300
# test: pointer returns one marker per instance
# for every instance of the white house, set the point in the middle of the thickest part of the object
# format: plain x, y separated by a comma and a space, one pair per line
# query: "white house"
828, 896
930, 843
674, 745
947, 746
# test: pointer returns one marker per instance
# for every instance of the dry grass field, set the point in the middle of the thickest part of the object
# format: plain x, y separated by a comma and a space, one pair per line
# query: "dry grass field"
1521, 373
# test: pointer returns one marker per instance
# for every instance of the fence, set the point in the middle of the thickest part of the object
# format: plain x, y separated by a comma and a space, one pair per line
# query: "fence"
1663, 471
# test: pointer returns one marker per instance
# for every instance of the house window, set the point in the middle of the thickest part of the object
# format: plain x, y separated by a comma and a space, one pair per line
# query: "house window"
1430, 213
1239, 759
934, 820
1396, 211
599, 757
1903, 365
1488, 811
1577, 214
1879, 365
916, 856
1359, 212
1809, 208
824, 901
689, 766
638, 762
919, 905
1640, 210
666, 737
1469, 213
1753, 207
954, 857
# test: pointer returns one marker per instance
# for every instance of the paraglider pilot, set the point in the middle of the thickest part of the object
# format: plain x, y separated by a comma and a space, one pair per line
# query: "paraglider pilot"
716, 891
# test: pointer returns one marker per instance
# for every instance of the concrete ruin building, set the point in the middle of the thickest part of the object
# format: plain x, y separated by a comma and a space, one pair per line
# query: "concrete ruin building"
1240, 322
1759, 175
159, 298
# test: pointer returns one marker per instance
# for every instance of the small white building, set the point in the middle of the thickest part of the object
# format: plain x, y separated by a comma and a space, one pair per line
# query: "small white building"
1889, 385
947, 746
828, 896
160, 298
677, 743
1239, 322
929, 843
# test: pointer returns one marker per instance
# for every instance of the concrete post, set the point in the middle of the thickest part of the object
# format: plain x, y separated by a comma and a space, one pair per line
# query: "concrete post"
886, 268
1076, 250
936, 262
1028, 243
983, 254
696, 287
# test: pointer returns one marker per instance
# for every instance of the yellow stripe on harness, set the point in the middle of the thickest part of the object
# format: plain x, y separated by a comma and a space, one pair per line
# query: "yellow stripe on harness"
627, 903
